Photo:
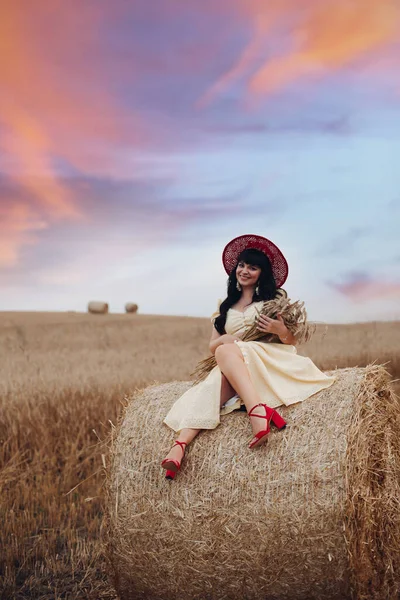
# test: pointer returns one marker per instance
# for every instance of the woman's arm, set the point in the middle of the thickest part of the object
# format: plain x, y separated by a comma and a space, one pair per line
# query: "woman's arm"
217, 339
288, 338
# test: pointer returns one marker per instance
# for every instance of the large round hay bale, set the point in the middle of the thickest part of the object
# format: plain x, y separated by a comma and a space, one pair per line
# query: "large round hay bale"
314, 514
130, 307
98, 308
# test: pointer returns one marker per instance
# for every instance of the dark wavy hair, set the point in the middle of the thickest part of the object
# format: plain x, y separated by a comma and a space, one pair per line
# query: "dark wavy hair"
266, 284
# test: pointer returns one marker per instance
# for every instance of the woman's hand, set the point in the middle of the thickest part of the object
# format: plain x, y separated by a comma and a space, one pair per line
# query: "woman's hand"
277, 326
218, 340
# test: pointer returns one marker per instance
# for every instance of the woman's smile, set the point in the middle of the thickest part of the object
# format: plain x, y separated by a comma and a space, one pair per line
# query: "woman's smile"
247, 274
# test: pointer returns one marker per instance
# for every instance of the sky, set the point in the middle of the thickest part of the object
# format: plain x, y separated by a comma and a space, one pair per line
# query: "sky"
138, 138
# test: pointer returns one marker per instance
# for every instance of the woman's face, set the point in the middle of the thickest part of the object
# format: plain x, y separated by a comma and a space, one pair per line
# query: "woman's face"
247, 275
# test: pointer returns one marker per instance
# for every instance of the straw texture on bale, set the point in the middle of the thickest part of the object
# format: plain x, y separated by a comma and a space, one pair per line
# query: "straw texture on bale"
130, 307
98, 308
313, 514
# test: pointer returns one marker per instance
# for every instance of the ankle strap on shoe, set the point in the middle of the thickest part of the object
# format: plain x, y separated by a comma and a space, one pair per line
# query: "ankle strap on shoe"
181, 444
265, 406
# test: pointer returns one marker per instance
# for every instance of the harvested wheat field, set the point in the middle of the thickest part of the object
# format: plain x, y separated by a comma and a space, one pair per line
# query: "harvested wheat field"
64, 380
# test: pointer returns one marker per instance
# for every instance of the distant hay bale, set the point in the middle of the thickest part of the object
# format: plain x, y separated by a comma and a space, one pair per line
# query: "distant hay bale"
131, 308
314, 514
98, 308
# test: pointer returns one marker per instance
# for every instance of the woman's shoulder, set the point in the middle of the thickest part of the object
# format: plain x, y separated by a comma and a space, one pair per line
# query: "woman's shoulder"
216, 313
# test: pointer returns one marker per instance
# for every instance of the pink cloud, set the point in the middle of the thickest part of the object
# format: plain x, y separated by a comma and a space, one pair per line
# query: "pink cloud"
57, 97
361, 288
55, 102
323, 37
19, 224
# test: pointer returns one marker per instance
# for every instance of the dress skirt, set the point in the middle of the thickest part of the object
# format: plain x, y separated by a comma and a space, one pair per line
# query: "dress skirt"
279, 374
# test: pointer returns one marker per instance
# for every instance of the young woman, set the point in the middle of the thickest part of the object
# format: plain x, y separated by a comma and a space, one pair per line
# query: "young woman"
262, 375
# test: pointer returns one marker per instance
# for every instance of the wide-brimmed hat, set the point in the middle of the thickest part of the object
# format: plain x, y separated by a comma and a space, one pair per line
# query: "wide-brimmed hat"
278, 262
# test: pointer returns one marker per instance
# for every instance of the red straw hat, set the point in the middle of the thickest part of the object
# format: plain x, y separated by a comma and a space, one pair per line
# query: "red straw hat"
278, 262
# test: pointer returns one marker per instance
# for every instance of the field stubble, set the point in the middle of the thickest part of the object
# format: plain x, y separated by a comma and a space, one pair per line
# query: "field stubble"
64, 379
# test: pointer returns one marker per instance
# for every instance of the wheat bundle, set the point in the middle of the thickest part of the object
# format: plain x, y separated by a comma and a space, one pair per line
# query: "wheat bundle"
293, 313
130, 307
314, 514
98, 308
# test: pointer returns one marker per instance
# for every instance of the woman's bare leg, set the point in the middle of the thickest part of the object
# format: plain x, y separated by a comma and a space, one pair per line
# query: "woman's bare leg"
185, 435
230, 361
227, 390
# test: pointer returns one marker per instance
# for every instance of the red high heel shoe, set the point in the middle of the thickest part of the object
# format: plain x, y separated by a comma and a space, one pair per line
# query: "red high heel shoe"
276, 419
170, 475
271, 416
171, 465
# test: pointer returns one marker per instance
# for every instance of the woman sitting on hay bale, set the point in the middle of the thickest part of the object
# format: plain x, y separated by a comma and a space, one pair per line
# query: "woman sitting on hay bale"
254, 360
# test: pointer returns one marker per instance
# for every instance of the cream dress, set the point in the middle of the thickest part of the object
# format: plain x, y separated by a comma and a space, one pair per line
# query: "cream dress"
278, 373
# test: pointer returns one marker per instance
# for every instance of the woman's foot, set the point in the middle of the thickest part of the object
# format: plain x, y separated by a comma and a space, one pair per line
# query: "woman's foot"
261, 428
172, 462
260, 418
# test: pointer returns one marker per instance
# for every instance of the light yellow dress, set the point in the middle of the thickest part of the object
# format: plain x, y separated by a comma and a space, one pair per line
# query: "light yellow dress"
279, 374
